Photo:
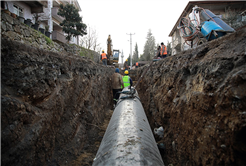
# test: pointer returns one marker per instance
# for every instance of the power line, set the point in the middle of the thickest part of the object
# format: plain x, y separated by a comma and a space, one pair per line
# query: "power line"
131, 47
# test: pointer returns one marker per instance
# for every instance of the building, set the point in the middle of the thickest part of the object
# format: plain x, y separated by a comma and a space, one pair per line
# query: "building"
55, 20
231, 12
24, 8
46, 12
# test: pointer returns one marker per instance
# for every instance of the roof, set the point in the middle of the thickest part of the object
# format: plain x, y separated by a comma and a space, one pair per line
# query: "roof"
212, 5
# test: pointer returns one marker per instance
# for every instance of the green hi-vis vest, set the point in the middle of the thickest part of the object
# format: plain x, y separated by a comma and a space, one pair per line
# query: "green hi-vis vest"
126, 81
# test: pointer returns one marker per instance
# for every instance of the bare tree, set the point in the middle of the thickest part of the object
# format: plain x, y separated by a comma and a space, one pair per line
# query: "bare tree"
90, 41
233, 17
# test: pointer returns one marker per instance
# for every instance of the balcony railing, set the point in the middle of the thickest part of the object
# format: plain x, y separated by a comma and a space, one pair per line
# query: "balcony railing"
57, 36
36, 6
58, 2
55, 15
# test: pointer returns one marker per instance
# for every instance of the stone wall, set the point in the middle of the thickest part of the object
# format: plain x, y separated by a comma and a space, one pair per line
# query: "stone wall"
52, 104
15, 30
199, 97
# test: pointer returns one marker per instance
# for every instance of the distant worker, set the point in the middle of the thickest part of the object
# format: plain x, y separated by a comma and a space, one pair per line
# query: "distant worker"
136, 64
158, 52
104, 58
117, 83
126, 65
163, 50
127, 81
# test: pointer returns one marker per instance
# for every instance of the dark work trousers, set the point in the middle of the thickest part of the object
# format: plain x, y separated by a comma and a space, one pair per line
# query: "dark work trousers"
105, 62
116, 95
164, 56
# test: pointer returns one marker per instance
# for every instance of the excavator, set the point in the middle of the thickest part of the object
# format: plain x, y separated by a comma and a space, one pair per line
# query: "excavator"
113, 55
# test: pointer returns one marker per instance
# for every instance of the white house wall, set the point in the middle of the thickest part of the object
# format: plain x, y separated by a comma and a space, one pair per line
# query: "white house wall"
46, 16
26, 9
50, 21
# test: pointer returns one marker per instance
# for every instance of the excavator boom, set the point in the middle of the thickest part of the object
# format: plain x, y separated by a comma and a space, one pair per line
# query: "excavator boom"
113, 55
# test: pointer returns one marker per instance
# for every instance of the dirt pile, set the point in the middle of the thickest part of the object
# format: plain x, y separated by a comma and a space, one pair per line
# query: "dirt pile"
52, 105
199, 97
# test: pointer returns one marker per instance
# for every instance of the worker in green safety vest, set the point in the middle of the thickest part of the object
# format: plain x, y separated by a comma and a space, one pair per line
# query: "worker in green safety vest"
127, 81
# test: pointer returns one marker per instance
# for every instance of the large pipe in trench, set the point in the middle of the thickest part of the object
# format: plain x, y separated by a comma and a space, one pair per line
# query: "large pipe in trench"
128, 140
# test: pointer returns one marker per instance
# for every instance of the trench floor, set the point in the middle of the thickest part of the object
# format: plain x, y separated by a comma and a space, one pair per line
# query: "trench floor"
86, 158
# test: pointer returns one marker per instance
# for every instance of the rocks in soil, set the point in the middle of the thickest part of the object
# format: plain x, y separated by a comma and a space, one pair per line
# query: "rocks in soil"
51, 103
199, 97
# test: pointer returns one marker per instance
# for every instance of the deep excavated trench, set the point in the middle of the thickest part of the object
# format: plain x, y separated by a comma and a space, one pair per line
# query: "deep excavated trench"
55, 107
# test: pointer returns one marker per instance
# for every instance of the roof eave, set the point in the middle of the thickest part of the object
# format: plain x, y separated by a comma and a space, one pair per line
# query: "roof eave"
192, 3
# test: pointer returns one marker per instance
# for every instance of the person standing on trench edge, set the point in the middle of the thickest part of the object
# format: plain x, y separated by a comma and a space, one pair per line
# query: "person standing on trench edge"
117, 83
163, 51
104, 58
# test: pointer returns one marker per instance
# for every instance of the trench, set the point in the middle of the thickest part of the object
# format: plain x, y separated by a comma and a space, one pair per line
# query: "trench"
56, 107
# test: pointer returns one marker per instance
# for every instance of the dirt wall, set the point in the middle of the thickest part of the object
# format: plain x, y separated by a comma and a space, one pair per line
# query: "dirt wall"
52, 105
199, 97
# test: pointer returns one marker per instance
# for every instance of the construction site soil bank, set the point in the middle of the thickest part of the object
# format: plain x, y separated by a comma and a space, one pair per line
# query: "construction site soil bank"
56, 105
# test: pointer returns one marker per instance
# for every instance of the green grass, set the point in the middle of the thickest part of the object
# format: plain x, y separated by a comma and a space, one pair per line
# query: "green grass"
48, 41
81, 53
86, 53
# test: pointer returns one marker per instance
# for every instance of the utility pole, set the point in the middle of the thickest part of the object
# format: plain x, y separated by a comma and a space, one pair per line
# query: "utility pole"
131, 48
122, 56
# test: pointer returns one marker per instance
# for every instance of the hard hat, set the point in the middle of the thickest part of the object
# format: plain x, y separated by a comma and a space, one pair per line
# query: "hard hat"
126, 59
126, 72
102, 50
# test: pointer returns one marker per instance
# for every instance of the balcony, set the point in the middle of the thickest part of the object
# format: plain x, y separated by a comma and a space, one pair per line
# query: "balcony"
36, 6
57, 3
58, 36
55, 15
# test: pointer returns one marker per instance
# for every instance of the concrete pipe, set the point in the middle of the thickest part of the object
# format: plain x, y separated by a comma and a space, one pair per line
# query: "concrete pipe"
128, 139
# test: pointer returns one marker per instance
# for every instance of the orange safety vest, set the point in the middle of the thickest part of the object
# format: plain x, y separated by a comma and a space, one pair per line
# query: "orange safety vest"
136, 63
104, 56
163, 50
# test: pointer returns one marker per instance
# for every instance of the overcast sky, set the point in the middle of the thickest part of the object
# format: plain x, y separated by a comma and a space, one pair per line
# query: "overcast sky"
121, 17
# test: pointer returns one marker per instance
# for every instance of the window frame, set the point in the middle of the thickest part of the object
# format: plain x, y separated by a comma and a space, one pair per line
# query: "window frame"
18, 10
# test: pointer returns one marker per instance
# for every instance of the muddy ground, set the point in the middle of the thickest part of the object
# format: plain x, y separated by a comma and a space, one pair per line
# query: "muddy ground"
199, 97
86, 158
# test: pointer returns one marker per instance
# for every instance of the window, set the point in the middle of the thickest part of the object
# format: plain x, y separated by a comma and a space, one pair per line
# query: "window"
18, 11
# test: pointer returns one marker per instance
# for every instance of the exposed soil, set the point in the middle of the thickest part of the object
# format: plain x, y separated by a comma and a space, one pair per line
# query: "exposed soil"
53, 106
199, 97
86, 158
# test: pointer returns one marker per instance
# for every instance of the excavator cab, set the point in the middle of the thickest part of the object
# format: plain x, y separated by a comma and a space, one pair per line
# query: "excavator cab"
115, 58
116, 55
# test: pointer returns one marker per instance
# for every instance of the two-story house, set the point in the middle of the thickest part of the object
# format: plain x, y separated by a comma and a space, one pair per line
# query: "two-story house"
54, 20
47, 15
231, 12
24, 9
